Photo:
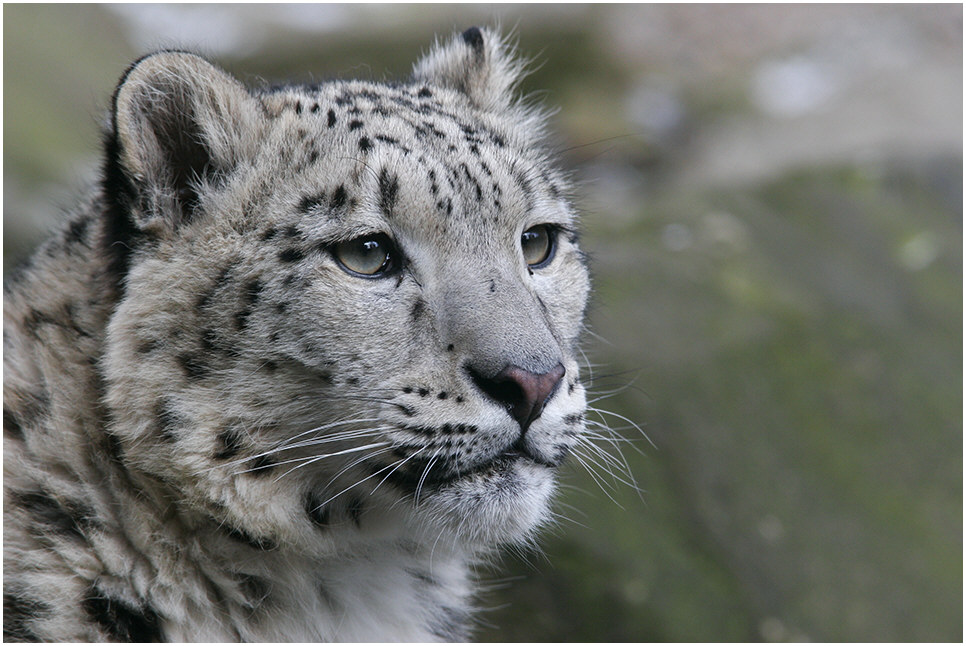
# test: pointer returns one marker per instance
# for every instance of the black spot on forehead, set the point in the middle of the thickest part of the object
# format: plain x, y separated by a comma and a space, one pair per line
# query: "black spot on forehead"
472, 180
291, 255
312, 202
388, 189
339, 197
331, 116
365, 144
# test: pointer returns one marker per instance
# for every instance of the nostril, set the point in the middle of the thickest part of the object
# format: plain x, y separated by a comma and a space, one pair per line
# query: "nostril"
504, 391
522, 392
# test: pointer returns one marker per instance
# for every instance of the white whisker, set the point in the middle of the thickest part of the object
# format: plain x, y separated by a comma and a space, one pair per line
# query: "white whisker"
600, 412
315, 458
357, 483
583, 460
398, 464
422, 478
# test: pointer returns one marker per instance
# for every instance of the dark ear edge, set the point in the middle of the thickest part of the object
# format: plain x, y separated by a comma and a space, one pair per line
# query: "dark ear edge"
122, 235
477, 62
176, 121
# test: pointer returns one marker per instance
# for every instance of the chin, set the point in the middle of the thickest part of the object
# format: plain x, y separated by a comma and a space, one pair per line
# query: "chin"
505, 503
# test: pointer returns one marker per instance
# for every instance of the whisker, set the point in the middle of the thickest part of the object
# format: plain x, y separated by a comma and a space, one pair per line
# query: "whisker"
315, 458
612, 465
587, 330
325, 427
609, 433
604, 455
353, 464
398, 464
285, 445
583, 460
600, 412
422, 479
317, 441
359, 482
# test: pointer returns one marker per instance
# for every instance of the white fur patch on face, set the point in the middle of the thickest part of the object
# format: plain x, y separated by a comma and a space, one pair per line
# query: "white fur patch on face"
296, 364
505, 503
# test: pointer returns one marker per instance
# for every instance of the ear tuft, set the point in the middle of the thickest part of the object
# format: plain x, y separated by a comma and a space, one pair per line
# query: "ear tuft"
478, 64
178, 122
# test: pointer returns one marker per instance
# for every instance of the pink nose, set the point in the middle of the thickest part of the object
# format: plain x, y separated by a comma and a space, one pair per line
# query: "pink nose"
524, 393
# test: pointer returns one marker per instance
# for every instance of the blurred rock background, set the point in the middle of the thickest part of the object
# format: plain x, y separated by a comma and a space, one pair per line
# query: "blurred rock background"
773, 204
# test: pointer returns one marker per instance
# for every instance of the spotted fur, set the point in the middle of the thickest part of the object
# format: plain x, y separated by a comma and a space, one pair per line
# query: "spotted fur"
213, 430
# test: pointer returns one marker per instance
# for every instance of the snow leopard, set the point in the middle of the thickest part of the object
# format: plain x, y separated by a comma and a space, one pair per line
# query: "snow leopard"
302, 359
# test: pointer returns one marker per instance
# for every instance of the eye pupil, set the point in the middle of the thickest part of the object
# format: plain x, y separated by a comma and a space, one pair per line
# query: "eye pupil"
370, 256
537, 244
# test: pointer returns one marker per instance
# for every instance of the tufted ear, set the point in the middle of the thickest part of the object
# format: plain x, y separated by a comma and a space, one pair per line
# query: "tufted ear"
179, 123
476, 63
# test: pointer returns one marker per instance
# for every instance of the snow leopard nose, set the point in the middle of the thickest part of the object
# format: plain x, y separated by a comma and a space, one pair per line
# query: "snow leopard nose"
524, 393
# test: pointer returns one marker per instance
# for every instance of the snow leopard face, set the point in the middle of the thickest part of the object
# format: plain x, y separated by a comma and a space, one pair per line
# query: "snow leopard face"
347, 308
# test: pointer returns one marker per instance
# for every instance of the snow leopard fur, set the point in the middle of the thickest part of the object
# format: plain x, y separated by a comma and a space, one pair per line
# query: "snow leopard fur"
303, 357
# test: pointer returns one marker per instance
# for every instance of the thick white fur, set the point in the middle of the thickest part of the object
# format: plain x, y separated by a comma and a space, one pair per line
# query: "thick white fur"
141, 409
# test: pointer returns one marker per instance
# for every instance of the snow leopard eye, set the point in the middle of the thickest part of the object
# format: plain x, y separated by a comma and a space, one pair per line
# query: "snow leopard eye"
539, 244
371, 256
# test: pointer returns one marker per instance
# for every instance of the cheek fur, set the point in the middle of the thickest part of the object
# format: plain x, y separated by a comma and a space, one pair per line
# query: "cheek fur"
213, 432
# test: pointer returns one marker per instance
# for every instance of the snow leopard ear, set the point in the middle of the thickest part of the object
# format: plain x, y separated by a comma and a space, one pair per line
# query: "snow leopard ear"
478, 64
179, 124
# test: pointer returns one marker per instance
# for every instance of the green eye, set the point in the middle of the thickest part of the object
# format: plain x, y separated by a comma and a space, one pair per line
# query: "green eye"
538, 244
371, 256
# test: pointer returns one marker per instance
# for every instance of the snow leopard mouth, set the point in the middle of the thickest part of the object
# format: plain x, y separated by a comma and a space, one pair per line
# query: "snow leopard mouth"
426, 476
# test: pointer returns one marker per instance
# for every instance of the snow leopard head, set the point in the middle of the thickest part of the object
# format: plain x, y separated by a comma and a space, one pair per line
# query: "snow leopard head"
349, 308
